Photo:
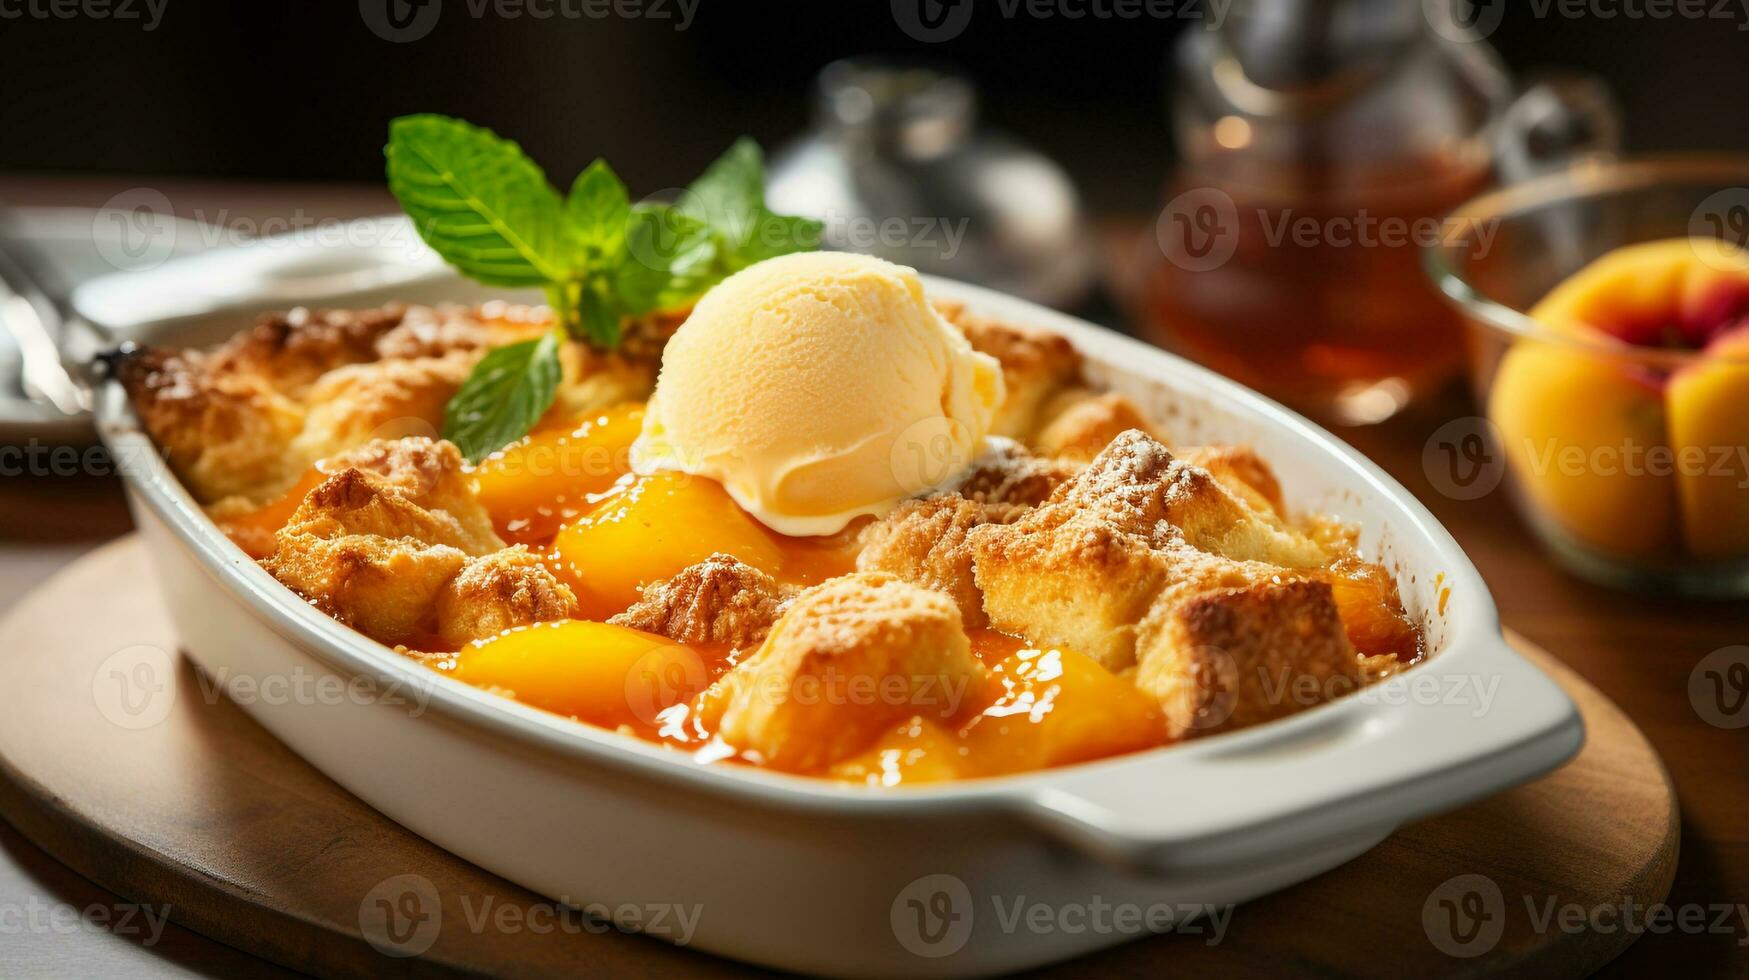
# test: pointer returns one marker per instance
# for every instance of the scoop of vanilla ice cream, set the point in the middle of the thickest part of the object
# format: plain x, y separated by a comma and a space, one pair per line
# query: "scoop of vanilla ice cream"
818, 387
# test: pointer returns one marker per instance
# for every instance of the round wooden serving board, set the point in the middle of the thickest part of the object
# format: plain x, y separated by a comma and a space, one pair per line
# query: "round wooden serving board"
204, 811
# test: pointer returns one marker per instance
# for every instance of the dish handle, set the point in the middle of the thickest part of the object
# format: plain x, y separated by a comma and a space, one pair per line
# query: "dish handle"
1426, 741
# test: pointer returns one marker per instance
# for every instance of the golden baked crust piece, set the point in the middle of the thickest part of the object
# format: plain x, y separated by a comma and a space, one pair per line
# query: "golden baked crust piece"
438, 331
1035, 366
1078, 424
925, 543
1083, 569
1060, 578
366, 555
379, 400
1246, 474
385, 588
498, 592
376, 543
719, 600
429, 474
353, 502
1005, 474
850, 658
223, 433
1230, 659
1080, 570
1136, 485
290, 350
1211, 518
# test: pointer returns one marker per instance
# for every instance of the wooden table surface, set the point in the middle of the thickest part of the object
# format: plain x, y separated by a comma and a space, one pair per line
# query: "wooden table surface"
1639, 650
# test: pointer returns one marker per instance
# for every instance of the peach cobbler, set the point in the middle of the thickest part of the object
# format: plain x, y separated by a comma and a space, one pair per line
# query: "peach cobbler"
818, 524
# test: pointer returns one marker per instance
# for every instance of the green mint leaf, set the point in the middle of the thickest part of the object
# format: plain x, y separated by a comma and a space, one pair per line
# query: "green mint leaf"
730, 197
478, 201
598, 209
599, 311
671, 258
562, 298
730, 193
779, 234
507, 393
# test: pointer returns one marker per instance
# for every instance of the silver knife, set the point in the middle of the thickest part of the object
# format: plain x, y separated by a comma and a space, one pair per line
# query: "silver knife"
37, 323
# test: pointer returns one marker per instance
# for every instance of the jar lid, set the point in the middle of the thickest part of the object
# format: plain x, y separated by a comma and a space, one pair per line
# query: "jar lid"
912, 110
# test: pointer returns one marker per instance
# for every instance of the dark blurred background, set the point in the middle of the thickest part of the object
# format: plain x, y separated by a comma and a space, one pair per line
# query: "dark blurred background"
302, 91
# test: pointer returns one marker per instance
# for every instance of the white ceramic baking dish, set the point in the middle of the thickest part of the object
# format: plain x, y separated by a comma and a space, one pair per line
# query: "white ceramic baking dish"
817, 877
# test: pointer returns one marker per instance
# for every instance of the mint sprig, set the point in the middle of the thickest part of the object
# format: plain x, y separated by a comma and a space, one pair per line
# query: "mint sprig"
478, 201
490, 211
508, 391
598, 207
729, 197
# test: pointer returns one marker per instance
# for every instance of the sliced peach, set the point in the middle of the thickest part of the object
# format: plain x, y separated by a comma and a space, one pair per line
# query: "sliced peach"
602, 674
1372, 611
1059, 707
1709, 430
1577, 427
650, 530
533, 486
991, 647
918, 751
254, 531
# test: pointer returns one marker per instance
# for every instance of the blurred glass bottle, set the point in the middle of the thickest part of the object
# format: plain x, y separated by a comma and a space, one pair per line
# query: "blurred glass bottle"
1320, 141
896, 166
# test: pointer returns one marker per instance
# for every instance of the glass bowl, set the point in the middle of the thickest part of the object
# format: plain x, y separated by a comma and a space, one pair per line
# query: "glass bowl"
1630, 462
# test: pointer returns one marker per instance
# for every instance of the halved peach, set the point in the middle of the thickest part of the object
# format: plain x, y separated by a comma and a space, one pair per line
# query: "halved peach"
602, 674
1059, 707
651, 529
534, 485
918, 751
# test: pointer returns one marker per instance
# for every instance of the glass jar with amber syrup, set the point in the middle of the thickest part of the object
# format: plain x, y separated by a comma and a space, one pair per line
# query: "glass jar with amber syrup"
1609, 317
1320, 144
